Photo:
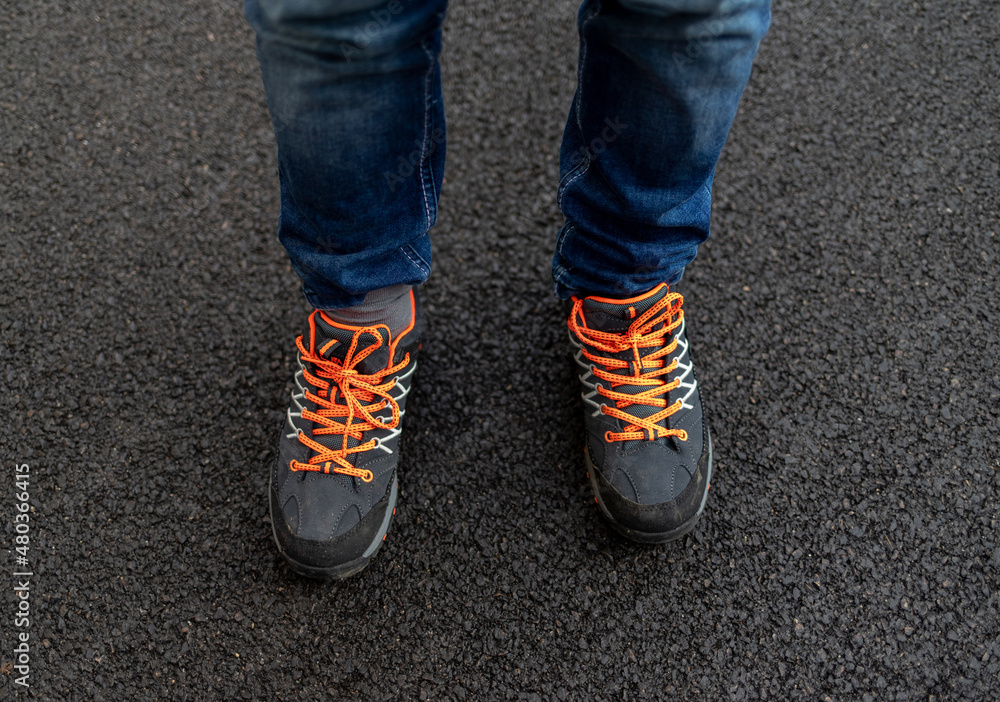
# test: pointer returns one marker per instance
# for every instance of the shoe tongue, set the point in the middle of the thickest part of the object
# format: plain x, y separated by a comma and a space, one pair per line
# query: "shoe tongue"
333, 342
341, 339
607, 315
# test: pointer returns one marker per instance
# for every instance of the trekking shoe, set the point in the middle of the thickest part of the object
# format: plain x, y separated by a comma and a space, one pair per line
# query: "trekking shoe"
333, 491
648, 454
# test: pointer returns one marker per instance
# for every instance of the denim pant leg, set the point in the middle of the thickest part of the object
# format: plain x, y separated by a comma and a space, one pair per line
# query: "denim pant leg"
354, 92
658, 87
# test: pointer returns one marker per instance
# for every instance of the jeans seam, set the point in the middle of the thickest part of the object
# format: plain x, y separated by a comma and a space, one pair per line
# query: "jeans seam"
562, 240
583, 61
562, 271
424, 160
578, 100
562, 274
421, 268
565, 186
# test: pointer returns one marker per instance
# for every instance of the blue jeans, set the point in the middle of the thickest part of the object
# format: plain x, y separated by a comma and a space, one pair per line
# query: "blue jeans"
354, 91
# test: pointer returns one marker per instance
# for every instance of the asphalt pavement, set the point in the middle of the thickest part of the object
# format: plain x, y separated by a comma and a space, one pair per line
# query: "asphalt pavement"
844, 319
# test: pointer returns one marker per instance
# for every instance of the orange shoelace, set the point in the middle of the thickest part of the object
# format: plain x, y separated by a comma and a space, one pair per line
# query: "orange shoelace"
648, 370
345, 392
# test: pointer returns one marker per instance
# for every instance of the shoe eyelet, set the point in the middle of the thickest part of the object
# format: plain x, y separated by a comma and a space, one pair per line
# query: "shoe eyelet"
607, 437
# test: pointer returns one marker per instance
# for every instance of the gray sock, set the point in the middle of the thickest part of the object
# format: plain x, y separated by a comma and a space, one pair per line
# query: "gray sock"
389, 306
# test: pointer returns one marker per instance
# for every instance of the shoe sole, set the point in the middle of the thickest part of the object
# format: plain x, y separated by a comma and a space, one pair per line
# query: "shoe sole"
344, 570
645, 537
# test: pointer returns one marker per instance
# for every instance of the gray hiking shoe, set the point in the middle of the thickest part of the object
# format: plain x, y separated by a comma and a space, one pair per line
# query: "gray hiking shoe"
333, 491
649, 453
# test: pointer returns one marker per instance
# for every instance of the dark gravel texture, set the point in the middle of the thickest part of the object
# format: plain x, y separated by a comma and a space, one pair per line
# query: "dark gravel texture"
844, 317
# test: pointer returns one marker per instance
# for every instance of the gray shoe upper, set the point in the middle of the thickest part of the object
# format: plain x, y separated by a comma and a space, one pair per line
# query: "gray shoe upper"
646, 472
319, 506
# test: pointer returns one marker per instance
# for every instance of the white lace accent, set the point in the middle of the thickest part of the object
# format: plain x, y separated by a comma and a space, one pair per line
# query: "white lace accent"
403, 383
686, 368
298, 398
591, 387
683, 364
